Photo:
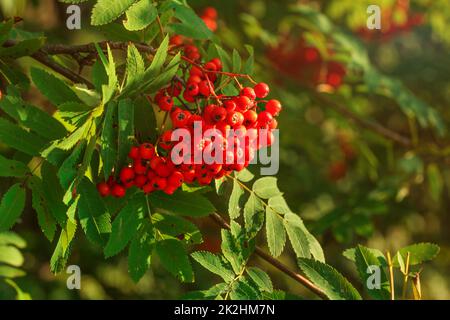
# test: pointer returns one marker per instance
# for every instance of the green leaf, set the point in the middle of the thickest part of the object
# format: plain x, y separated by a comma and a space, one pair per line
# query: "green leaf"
62, 251
53, 192
126, 130
261, 278
191, 25
99, 76
144, 119
232, 251
135, 68
69, 168
279, 205
266, 187
332, 283
94, 218
12, 168
177, 227
174, 258
140, 15
158, 61
435, 181
39, 202
275, 232
10, 272
182, 203
125, 225
21, 49
11, 207
235, 203
109, 89
214, 264
253, 214
351, 255
109, 137
245, 175
106, 11
11, 255
5, 28
295, 230
243, 291
140, 251
419, 253
31, 117
19, 139
56, 90
236, 61
365, 262
11, 238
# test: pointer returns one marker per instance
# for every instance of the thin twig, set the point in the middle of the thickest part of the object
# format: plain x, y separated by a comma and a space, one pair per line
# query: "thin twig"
391, 275
274, 262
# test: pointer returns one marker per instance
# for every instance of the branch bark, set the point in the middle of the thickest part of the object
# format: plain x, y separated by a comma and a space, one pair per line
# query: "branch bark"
274, 262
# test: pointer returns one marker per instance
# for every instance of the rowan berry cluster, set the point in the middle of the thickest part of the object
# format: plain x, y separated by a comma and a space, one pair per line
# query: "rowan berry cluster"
239, 124
302, 62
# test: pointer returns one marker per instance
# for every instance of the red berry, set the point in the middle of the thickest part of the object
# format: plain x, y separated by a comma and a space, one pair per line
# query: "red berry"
103, 189
170, 189
249, 92
273, 124
164, 170
196, 71
159, 183
210, 12
146, 151
192, 89
134, 153
230, 105
250, 118
205, 88
155, 162
118, 191
176, 179
126, 175
165, 103
140, 180
217, 62
265, 117
235, 118
243, 103
138, 167
210, 66
262, 90
273, 107
176, 40
148, 188
180, 118
218, 114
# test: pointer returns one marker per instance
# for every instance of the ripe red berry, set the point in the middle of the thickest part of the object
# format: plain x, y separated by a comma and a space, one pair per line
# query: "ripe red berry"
138, 167
146, 151
159, 183
192, 89
243, 103
176, 179
249, 92
165, 103
164, 170
140, 180
264, 118
217, 62
176, 40
170, 189
148, 188
235, 118
103, 189
230, 105
205, 88
118, 191
155, 162
126, 175
273, 124
262, 90
134, 153
210, 12
180, 118
273, 107
218, 114
250, 118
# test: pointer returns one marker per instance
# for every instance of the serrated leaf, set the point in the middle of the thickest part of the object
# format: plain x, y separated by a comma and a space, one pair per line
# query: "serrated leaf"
40, 205
53, 192
266, 187
245, 175
144, 119
235, 203
69, 168
214, 264
332, 283
33, 118
261, 278
12, 168
275, 232
177, 227
174, 258
140, 251
53, 88
279, 205
295, 230
243, 291
232, 251
253, 214
236, 61
351, 255
23, 48
135, 67
419, 253
182, 203
106, 11
62, 251
126, 130
158, 61
368, 264
19, 139
94, 218
11, 206
11, 238
109, 89
191, 25
109, 137
140, 15
124, 226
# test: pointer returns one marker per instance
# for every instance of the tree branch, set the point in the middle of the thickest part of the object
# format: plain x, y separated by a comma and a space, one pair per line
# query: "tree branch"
363, 123
274, 262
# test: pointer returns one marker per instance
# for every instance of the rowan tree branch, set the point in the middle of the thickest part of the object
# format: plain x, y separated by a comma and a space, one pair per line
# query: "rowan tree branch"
274, 262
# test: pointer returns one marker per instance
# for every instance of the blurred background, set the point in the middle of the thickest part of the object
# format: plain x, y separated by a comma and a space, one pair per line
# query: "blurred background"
348, 183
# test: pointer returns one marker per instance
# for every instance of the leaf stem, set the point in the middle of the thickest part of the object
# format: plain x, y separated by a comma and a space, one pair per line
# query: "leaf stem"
391, 275
406, 276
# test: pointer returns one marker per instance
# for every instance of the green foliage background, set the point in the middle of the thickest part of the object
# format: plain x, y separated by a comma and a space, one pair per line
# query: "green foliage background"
391, 196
